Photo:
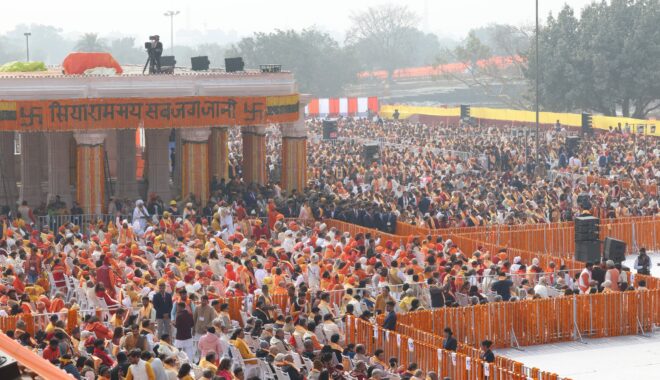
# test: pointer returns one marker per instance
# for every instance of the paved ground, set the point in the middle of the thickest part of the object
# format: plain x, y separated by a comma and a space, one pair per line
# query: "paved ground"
629, 357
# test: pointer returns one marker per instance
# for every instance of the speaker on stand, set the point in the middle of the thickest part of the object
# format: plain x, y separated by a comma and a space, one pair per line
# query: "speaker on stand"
330, 130
587, 243
371, 153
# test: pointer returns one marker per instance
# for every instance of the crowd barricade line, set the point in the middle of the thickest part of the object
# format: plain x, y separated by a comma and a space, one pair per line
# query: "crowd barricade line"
426, 351
538, 321
557, 239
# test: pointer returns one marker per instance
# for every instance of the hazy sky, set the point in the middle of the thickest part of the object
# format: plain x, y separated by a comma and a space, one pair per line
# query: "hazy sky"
452, 18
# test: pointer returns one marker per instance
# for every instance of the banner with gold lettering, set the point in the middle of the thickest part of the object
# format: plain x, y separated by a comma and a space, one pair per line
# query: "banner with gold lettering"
150, 113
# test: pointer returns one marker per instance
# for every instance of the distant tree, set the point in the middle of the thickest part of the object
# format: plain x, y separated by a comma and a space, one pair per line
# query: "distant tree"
485, 74
608, 61
182, 54
47, 43
9, 51
504, 39
90, 42
215, 52
384, 36
320, 65
126, 52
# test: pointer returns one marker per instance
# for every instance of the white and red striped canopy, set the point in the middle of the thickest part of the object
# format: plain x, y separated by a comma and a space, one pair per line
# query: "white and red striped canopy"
342, 106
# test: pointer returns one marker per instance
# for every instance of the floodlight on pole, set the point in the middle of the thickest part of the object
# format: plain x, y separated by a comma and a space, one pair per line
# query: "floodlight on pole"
171, 15
27, 44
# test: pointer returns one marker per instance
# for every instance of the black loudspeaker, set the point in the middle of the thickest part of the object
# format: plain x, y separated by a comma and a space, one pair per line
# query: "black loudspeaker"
572, 143
465, 111
586, 122
200, 63
587, 228
614, 250
9, 367
371, 152
330, 130
167, 61
587, 251
233, 65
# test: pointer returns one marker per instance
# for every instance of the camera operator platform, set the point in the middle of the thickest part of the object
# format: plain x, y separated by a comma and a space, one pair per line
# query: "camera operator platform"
155, 50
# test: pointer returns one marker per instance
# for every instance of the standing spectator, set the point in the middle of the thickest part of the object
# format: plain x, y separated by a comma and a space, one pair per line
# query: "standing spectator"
211, 342
449, 343
503, 286
612, 275
390, 319
487, 354
584, 281
184, 327
163, 304
203, 317
643, 263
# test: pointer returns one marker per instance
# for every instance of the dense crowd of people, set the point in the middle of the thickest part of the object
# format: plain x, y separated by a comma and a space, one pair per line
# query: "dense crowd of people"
445, 176
165, 286
165, 273
438, 176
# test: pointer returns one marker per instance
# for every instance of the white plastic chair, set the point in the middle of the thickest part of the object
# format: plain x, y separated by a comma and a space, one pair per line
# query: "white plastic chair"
281, 375
300, 345
308, 364
70, 288
266, 371
297, 360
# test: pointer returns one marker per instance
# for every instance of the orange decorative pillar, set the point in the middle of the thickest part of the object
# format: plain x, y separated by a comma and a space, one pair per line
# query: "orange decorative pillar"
219, 153
195, 163
90, 171
158, 162
254, 154
294, 156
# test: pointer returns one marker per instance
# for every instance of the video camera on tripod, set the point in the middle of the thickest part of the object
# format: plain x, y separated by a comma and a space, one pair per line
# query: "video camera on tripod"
154, 50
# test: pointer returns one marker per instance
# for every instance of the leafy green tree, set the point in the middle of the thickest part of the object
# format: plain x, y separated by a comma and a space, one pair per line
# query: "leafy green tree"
608, 61
90, 42
559, 80
320, 65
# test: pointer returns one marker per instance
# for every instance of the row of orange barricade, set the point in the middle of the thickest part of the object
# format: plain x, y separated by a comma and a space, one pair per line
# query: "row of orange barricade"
553, 238
559, 241
540, 321
556, 239
465, 364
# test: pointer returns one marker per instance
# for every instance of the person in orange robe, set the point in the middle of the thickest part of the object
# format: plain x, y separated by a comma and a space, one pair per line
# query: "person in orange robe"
99, 329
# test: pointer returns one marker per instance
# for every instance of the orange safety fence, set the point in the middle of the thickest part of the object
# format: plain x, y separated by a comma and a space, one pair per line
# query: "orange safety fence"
560, 241
489, 231
539, 321
428, 354
554, 239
